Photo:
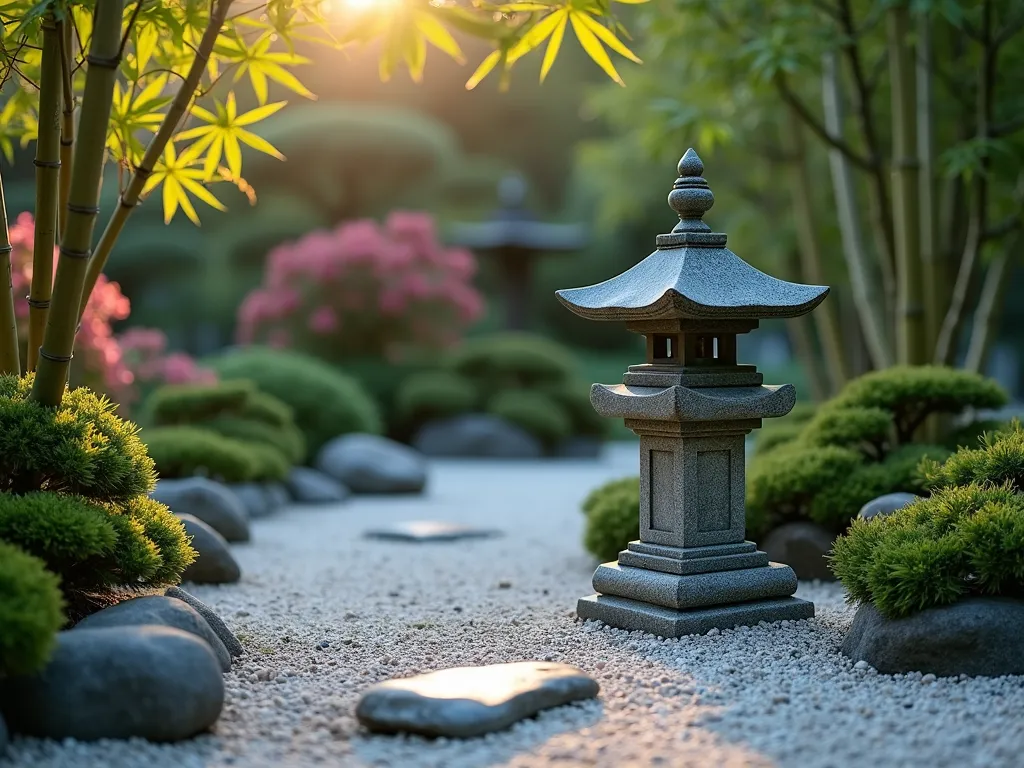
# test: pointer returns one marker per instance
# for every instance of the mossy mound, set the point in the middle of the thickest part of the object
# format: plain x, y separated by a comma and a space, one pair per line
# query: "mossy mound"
31, 611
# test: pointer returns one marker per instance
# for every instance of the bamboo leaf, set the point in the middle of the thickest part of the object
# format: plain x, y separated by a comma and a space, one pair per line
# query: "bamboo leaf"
233, 154
594, 49
553, 45
258, 143
537, 35
606, 36
485, 68
202, 193
260, 113
437, 35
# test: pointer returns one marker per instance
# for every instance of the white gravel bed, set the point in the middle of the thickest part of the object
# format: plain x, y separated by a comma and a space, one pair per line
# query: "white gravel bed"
324, 613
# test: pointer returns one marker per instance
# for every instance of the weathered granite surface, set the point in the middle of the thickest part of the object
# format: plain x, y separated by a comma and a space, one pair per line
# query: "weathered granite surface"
974, 636
309, 486
215, 564
686, 404
373, 464
213, 503
216, 623
802, 546
471, 701
162, 611
153, 683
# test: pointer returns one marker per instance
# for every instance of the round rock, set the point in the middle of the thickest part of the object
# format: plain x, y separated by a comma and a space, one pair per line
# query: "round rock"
215, 564
373, 464
216, 623
801, 546
154, 683
211, 502
477, 435
309, 486
255, 499
163, 611
884, 506
470, 701
977, 636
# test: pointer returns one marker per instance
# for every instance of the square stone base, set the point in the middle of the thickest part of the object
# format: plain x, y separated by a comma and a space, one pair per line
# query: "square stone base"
623, 613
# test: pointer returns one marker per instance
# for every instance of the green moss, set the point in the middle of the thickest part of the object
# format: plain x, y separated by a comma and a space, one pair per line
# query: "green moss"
188, 451
80, 448
31, 611
533, 411
999, 459
613, 517
849, 427
325, 403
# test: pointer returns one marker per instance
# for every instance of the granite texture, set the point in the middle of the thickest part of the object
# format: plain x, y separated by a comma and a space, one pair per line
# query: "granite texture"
430, 530
216, 623
477, 435
213, 503
254, 497
974, 636
215, 564
373, 464
470, 701
803, 547
153, 683
623, 401
695, 565
633, 615
308, 486
885, 505
695, 590
161, 611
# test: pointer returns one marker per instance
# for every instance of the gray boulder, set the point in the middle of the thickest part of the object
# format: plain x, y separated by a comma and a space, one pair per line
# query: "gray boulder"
215, 564
308, 486
977, 636
159, 610
801, 546
884, 506
471, 701
154, 683
209, 501
254, 498
373, 464
216, 623
477, 435
277, 495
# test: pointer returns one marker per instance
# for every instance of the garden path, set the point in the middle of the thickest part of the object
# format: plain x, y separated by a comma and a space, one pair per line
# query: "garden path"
323, 613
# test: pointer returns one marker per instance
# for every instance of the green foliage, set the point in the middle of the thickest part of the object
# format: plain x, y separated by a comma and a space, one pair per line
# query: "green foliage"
574, 397
613, 517
775, 433
512, 361
31, 611
858, 446
188, 403
97, 547
966, 539
437, 394
80, 448
185, 451
999, 459
287, 442
533, 411
325, 403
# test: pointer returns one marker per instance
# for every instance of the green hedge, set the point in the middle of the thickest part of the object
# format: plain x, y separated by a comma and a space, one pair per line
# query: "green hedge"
612, 517
966, 538
324, 402
187, 451
31, 611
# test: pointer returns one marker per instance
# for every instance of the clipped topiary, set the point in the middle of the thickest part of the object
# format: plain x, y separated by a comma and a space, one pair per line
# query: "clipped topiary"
533, 411
31, 611
862, 444
190, 403
325, 403
80, 448
437, 394
512, 361
189, 451
613, 517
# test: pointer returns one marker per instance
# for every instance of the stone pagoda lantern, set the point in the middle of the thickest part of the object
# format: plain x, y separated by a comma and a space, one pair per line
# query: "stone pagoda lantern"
692, 405
515, 238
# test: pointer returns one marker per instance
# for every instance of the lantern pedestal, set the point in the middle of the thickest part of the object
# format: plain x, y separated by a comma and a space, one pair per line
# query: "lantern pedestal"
692, 569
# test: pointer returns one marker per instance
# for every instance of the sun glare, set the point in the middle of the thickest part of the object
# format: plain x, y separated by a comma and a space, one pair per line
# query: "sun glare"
340, 6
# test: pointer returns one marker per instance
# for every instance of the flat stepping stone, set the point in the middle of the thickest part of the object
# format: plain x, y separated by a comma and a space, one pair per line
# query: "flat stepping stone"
470, 701
430, 530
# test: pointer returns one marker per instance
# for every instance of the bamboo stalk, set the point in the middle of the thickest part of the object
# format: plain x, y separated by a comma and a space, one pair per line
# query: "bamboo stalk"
989, 311
130, 197
48, 163
67, 125
10, 360
911, 331
869, 303
83, 205
928, 221
811, 270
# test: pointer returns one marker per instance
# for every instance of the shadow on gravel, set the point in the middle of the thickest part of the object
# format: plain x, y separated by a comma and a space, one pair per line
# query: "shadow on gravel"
525, 737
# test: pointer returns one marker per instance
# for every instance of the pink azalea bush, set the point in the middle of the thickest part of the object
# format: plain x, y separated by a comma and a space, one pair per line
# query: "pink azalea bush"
364, 290
113, 365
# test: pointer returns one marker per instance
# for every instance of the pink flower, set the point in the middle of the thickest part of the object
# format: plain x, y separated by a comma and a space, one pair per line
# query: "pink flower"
323, 320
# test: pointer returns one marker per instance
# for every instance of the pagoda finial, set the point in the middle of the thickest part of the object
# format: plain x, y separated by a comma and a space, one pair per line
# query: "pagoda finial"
691, 197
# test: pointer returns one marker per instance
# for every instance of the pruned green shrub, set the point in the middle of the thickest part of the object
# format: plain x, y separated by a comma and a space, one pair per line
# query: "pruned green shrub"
325, 403
286, 441
858, 446
192, 403
533, 411
31, 611
94, 547
80, 448
612, 517
437, 394
999, 459
775, 433
512, 361
188, 451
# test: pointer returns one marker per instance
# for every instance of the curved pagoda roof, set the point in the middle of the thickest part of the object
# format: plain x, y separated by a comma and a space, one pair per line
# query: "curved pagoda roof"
692, 274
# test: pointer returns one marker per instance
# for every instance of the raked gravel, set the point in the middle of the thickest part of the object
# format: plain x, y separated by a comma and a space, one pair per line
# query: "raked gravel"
324, 613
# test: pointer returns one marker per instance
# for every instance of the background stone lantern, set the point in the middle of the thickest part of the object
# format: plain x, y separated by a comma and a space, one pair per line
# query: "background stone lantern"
692, 405
515, 238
